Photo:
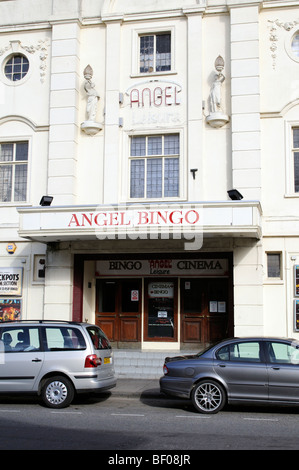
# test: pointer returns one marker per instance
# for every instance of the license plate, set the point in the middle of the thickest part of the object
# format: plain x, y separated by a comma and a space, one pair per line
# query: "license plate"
107, 360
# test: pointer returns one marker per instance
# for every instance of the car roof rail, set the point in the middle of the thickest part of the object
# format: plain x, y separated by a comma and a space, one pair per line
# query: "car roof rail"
42, 321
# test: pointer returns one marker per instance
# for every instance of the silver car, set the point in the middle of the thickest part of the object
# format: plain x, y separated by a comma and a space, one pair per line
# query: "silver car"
238, 370
54, 359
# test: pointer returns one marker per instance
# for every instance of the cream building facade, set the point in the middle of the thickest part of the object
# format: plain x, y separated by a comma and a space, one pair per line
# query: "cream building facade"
139, 118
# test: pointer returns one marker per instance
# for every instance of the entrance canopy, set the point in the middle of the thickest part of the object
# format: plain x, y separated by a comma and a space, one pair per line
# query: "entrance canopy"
185, 220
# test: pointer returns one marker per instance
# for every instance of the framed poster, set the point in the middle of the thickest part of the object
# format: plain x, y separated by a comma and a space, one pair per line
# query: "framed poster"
296, 280
10, 309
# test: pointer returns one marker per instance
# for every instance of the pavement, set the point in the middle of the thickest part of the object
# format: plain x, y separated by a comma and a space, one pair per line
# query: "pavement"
127, 387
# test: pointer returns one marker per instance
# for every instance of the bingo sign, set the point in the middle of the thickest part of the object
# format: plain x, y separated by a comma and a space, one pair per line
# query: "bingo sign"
160, 289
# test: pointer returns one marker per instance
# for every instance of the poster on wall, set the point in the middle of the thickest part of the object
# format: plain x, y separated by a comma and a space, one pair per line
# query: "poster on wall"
296, 315
10, 309
11, 280
296, 279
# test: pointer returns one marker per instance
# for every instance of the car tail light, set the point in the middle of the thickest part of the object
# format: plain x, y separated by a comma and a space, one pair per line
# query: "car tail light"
165, 369
92, 361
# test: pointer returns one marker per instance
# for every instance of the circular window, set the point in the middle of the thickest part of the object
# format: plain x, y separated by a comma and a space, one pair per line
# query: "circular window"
295, 44
16, 67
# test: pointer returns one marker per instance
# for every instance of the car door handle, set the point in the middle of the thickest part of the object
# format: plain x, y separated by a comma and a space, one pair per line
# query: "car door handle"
36, 360
276, 368
222, 365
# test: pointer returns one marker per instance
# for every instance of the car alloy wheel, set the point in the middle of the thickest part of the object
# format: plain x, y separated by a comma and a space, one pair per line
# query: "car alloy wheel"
57, 392
208, 397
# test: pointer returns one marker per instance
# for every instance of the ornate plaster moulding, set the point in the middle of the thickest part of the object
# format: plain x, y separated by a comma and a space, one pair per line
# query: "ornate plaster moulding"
41, 47
274, 27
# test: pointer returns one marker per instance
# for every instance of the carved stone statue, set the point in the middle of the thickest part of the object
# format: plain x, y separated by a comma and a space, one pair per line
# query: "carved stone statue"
215, 94
92, 94
217, 118
90, 126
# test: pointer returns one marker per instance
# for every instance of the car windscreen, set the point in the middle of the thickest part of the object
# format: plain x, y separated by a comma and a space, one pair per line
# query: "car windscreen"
98, 338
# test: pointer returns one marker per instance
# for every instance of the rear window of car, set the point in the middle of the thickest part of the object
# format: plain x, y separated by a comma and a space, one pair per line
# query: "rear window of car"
98, 338
63, 338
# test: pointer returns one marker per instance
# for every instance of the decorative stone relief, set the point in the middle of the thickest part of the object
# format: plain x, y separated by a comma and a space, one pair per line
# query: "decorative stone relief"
217, 118
41, 48
274, 25
90, 126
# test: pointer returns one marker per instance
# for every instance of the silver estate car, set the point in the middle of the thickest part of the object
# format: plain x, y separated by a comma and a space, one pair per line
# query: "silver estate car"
238, 370
54, 359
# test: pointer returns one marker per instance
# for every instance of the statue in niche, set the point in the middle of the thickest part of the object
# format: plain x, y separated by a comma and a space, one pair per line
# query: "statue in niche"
92, 94
217, 118
215, 94
90, 126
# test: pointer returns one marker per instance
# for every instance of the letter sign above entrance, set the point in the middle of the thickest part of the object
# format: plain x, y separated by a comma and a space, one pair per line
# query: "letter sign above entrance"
160, 289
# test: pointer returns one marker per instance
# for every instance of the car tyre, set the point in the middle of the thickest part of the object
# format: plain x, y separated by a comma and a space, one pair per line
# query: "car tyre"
57, 392
208, 396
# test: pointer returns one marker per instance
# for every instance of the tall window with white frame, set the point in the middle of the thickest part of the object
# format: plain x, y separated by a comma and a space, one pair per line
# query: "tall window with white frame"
13, 171
154, 166
155, 53
296, 158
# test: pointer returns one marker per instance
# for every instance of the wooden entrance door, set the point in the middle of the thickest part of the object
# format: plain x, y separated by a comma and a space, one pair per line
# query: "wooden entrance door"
204, 310
118, 310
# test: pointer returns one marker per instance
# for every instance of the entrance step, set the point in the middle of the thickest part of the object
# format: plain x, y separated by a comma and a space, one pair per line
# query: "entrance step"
132, 364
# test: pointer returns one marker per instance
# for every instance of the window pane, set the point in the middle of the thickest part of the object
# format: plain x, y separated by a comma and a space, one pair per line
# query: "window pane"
295, 44
155, 145
273, 262
146, 54
171, 144
283, 353
60, 338
245, 352
20, 339
138, 146
21, 151
106, 291
127, 304
154, 178
296, 171
171, 177
98, 337
137, 178
192, 297
6, 154
20, 183
163, 53
5, 183
296, 138
16, 67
